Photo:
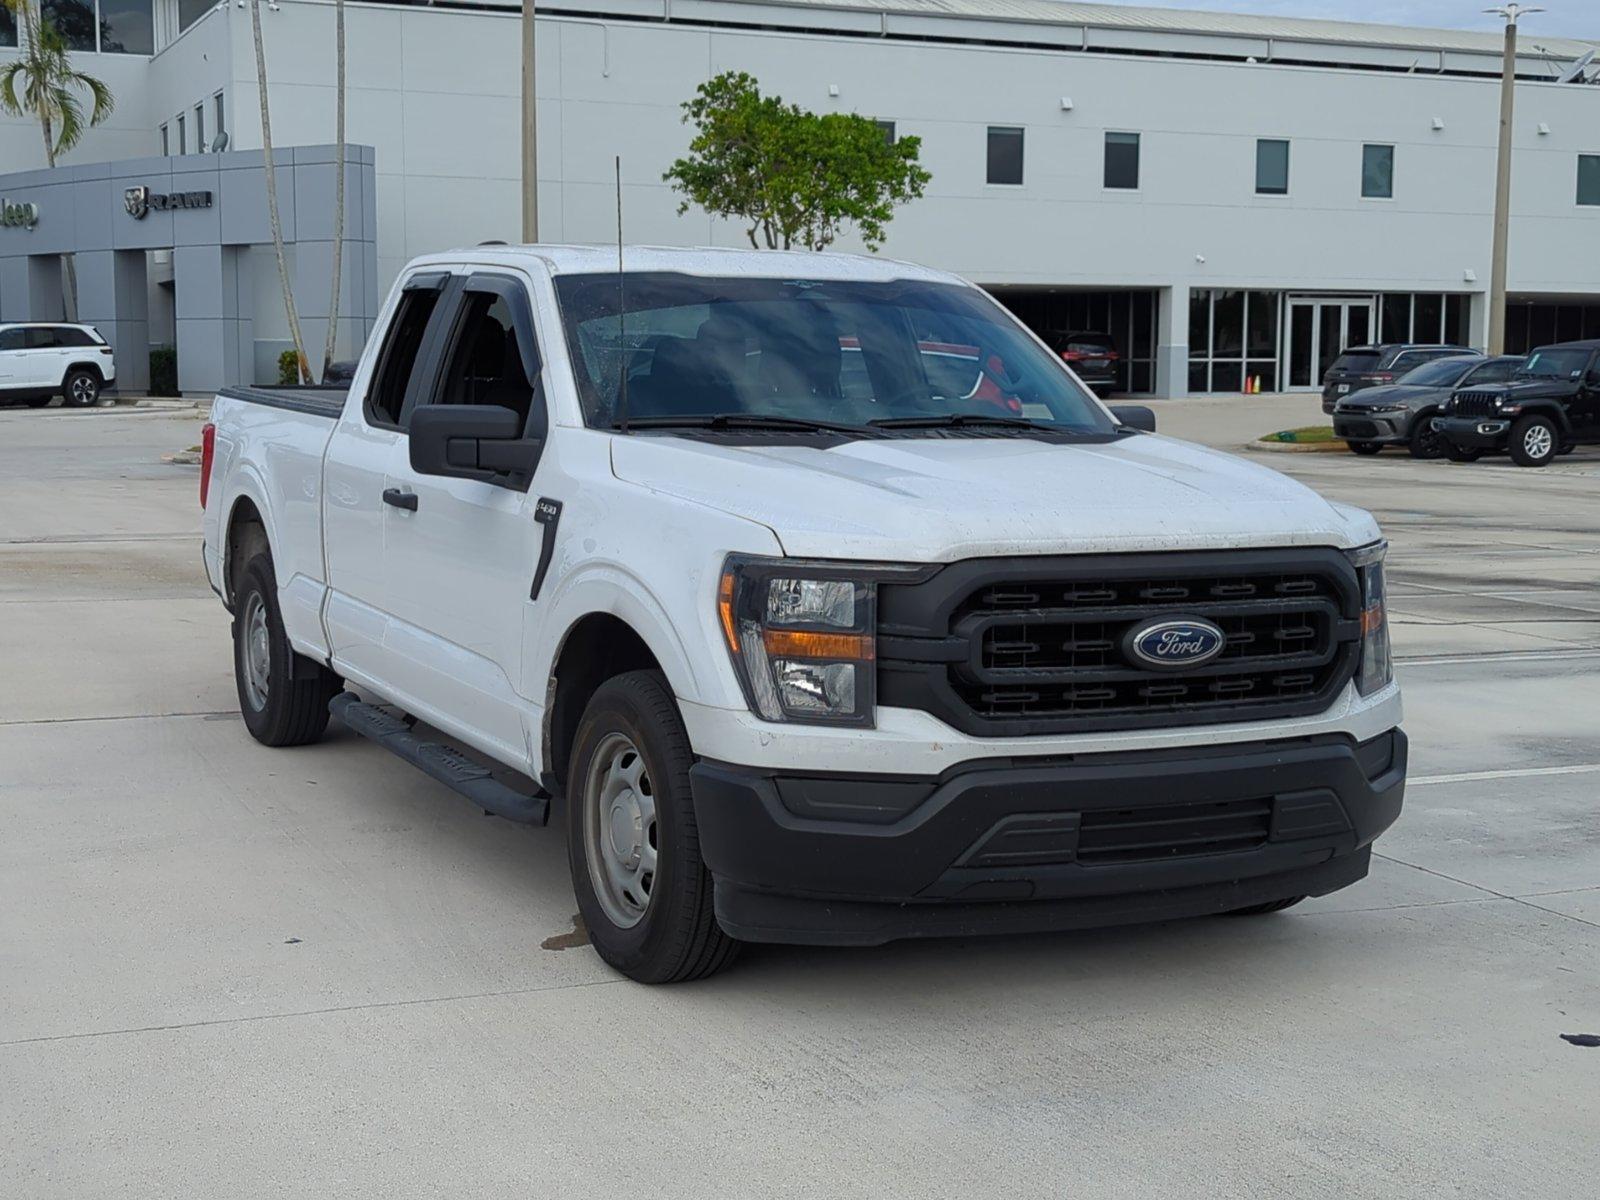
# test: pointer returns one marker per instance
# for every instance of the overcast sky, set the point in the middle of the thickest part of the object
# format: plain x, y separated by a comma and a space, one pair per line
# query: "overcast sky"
1564, 18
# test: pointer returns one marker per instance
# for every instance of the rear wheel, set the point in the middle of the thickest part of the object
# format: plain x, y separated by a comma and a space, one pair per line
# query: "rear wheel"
81, 389
1426, 442
642, 888
1364, 448
283, 696
1457, 453
1271, 906
1534, 441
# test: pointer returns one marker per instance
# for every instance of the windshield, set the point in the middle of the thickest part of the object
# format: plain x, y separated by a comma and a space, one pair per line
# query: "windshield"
1439, 373
847, 353
1554, 364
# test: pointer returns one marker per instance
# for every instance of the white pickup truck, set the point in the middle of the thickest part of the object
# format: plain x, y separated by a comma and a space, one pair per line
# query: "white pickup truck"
827, 601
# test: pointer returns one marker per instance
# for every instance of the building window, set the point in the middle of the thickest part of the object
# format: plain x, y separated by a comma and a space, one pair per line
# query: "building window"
74, 19
1377, 172
1005, 154
1589, 179
183, 141
222, 124
8, 27
886, 127
199, 128
166, 143
1233, 339
1122, 161
109, 26
1272, 167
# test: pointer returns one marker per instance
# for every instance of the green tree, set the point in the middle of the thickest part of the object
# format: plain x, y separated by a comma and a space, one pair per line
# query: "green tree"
794, 177
42, 82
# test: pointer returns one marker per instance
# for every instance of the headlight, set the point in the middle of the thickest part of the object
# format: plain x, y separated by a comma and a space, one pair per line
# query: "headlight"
1387, 408
802, 637
1376, 668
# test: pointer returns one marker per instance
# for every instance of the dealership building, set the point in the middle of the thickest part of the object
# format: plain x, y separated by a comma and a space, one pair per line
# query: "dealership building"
1231, 197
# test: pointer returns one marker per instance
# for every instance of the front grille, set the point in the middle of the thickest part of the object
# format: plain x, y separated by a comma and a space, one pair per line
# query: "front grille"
1355, 429
1013, 647
1474, 404
1124, 835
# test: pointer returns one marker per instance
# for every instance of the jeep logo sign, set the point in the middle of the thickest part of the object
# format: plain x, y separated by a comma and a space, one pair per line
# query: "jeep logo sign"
138, 201
18, 216
1174, 643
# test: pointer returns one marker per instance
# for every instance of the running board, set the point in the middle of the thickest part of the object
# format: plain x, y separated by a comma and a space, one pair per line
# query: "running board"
446, 764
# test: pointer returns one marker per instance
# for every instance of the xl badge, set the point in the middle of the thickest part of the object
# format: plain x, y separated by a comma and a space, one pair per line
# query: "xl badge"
1174, 644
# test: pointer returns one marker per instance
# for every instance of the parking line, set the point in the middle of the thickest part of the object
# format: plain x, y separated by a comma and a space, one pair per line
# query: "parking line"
1447, 660
1513, 773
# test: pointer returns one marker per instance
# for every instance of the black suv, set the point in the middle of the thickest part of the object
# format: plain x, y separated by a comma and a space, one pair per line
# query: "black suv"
1550, 405
1372, 366
1093, 357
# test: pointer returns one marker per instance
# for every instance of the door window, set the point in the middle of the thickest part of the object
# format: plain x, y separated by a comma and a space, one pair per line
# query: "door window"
43, 339
387, 393
485, 364
11, 339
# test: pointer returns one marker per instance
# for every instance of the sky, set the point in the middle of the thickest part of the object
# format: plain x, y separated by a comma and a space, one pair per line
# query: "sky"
1563, 18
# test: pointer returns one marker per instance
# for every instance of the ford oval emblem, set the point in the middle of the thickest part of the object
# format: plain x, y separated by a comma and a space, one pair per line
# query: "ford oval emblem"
1174, 643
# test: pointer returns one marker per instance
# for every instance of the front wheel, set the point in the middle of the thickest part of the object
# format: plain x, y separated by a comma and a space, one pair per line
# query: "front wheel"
283, 696
1534, 441
1426, 441
1364, 448
642, 888
81, 389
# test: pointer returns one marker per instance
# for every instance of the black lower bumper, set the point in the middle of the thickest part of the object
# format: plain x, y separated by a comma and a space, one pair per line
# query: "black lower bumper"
1474, 433
1386, 430
1016, 845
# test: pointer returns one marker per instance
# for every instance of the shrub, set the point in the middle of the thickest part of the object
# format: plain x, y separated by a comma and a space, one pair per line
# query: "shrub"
163, 371
288, 369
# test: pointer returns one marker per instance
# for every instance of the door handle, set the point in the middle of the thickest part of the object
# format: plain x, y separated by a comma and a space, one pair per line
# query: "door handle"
400, 499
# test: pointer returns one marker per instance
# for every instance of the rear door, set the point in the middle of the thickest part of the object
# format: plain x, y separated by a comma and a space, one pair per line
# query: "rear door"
459, 559
1585, 409
42, 365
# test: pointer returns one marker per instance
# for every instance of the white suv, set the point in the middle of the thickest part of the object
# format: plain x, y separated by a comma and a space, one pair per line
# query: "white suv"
40, 360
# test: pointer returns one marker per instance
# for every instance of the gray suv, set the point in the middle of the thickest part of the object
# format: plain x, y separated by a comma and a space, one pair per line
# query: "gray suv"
1401, 413
1373, 366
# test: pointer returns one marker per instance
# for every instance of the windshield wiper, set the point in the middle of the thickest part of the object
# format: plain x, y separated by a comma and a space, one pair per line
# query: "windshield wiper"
957, 420
746, 421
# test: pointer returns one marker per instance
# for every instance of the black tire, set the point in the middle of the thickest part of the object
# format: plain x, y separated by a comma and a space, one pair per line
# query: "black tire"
290, 707
1271, 906
1426, 442
1462, 454
675, 936
1364, 448
1534, 441
80, 389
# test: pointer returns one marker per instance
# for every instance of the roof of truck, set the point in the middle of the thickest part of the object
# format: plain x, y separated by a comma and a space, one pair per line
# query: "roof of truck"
697, 260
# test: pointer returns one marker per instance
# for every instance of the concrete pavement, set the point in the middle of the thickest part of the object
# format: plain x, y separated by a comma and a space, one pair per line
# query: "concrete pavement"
232, 971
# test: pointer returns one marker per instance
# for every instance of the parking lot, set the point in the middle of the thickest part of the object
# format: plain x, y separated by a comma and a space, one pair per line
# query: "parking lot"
231, 971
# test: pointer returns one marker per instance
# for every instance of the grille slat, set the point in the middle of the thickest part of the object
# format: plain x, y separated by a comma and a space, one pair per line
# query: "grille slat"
1474, 404
1172, 831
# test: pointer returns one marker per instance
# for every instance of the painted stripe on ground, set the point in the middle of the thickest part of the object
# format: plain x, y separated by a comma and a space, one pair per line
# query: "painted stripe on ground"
1514, 773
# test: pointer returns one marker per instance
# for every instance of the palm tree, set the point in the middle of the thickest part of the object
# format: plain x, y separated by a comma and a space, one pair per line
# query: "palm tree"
272, 197
338, 199
43, 83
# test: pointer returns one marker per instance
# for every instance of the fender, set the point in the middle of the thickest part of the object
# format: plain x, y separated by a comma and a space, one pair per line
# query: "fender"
1546, 406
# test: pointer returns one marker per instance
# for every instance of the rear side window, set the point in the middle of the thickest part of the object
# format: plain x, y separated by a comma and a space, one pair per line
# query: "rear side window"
1356, 361
67, 336
11, 339
387, 392
42, 338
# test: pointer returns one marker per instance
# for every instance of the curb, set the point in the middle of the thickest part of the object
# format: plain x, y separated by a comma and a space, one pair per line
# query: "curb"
1298, 447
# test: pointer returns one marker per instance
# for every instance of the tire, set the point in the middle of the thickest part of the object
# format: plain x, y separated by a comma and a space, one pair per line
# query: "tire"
81, 389
647, 901
1462, 454
1364, 448
1271, 906
283, 696
1425, 442
1534, 441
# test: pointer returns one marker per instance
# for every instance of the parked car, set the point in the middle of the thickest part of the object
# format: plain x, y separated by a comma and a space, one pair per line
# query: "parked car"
1093, 357
1549, 406
1401, 413
783, 649
1373, 366
42, 360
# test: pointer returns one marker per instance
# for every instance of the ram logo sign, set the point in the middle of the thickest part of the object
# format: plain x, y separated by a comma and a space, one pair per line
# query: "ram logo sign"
140, 200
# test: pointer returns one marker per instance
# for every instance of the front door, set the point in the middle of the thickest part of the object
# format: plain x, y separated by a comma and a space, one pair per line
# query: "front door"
1584, 412
1320, 328
460, 555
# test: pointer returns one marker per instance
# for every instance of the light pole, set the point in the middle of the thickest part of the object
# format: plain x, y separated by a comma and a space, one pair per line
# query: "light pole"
1502, 182
530, 131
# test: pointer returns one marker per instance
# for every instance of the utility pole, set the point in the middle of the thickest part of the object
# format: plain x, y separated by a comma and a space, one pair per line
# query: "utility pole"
530, 131
1502, 182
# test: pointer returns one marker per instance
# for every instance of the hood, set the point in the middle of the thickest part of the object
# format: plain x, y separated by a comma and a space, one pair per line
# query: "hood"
1392, 393
942, 499
1532, 389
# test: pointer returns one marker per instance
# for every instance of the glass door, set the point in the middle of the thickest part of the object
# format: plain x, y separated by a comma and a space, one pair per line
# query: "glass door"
1320, 327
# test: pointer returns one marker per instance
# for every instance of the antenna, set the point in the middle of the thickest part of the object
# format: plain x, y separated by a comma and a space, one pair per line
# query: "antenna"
622, 317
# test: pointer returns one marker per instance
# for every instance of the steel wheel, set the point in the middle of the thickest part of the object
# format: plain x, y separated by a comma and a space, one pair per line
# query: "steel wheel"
619, 830
257, 657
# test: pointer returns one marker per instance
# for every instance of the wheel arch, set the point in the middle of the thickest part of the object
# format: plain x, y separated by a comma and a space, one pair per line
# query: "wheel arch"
596, 647
91, 367
244, 532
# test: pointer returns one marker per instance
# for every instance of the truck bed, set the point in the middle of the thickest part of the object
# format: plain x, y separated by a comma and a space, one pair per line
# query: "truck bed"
313, 400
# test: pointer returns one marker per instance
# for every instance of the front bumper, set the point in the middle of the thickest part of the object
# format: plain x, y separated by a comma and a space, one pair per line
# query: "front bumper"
1483, 433
1359, 426
1014, 845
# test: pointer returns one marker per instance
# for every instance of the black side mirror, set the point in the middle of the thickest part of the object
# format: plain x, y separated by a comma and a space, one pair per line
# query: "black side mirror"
471, 441
1134, 416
